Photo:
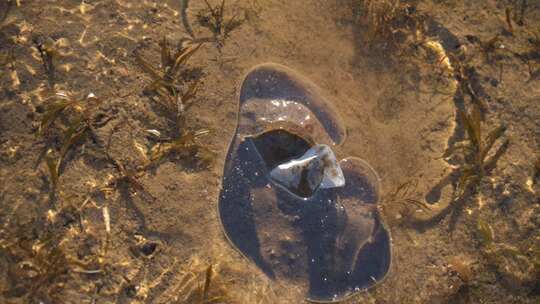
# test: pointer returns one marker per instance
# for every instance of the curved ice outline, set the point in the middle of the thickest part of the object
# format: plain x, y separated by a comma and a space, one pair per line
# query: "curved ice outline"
307, 94
364, 169
283, 86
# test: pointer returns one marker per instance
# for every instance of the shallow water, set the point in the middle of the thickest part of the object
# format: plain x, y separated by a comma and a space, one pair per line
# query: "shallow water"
119, 230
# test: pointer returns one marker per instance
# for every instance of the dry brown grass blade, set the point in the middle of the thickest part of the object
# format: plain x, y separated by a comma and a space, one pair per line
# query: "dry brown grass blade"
417, 203
491, 161
186, 146
487, 235
536, 171
47, 51
490, 140
207, 282
147, 67
472, 125
183, 57
52, 112
402, 190
53, 166
469, 128
476, 121
216, 23
508, 13
221, 11
162, 87
182, 144
166, 59
467, 181
190, 94
75, 133
130, 179
165, 84
403, 187
213, 11
460, 146
491, 45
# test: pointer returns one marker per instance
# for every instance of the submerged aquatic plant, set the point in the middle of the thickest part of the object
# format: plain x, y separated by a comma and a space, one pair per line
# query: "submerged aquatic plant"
128, 177
39, 267
530, 56
185, 147
476, 150
394, 27
214, 20
77, 119
177, 96
394, 34
477, 161
513, 262
400, 204
490, 47
43, 253
198, 288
